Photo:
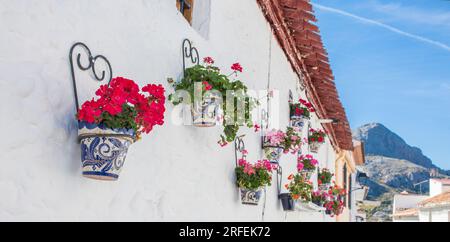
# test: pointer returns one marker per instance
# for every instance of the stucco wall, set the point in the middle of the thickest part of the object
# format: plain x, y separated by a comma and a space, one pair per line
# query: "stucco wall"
177, 172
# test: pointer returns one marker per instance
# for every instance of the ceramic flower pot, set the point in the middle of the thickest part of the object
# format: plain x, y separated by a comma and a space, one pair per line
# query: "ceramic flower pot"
314, 147
103, 150
273, 154
298, 121
306, 174
324, 187
205, 112
250, 197
287, 201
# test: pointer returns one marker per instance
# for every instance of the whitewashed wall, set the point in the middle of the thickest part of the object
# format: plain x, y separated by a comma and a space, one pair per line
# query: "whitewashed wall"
178, 173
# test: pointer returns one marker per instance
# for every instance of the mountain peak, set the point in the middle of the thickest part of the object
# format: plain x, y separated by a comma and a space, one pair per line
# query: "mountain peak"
381, 141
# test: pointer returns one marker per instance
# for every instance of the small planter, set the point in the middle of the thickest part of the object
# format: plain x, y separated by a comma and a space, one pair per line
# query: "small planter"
298, 120
324, 187
250, 197
103, 150
306, 174
205, 112
314, 147
273, 154
287, 202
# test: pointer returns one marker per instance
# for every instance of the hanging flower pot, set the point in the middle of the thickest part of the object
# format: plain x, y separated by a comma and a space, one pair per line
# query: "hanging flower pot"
324, 179
110, 124
273, 153
250, 197
319, 197
205, 112
300, 113
306, 166
314, 147
287, 202
300, 189
103, 150
316, 138
208, 90
324, 187
251, 178
306, 174
276, 142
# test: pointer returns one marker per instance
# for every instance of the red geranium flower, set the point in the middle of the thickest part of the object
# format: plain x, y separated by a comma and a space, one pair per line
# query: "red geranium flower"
237, 67
208, 60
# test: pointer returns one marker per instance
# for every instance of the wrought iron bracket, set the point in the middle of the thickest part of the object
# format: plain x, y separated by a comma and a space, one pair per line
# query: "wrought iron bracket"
92, 60
239, 147
279, 178
189, 52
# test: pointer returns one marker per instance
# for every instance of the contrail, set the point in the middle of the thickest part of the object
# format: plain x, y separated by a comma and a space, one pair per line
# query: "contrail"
382, 25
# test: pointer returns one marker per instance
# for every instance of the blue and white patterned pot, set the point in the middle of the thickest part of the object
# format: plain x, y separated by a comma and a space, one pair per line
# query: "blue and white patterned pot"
314, 147
103, 150
250, 197
205, 112
273, 154
298, 121
307, 174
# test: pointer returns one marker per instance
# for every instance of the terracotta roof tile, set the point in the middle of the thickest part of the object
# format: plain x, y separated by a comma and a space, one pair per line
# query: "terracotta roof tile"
293, 24
439, 200
407, 213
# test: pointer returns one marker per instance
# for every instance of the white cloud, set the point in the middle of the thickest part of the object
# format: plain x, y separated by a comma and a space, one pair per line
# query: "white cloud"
385, 26
410, 13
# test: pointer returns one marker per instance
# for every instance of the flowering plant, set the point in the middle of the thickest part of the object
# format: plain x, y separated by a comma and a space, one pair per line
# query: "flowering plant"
325, 176
334, 207
289, 141
303, 108
254, 176
306, 162
299, 188
337, 191
335, 204
123, 105
317, 136
319, 197
211, 79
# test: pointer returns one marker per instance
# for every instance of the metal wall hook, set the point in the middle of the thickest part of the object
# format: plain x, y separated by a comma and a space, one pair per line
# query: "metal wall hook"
239, 146
279, 178
189, 52
92, 60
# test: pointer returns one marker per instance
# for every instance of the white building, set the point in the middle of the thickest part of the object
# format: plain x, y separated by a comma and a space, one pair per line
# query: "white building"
437, 207
405, 207
432, 208
178, 173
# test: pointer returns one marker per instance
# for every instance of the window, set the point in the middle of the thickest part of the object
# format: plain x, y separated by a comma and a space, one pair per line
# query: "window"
344, 177
197, 13
186, 8
350, 188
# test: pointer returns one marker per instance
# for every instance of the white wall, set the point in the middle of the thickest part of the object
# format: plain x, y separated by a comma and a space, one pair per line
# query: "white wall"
434, 215
177, 173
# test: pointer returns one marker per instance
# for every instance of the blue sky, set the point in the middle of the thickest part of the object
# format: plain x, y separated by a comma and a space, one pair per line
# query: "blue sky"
391, 60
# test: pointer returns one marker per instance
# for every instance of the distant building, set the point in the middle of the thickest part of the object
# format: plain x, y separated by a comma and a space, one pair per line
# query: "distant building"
432, 208
405, 207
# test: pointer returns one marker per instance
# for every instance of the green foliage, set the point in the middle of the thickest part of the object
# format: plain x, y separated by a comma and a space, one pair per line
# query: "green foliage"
300, 188
222, 84
325, 176
298, 109
292, 139
125, 119
259, 179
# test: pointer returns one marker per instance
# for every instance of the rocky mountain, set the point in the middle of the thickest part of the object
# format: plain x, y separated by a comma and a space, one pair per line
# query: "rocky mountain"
391, 163
380, 141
